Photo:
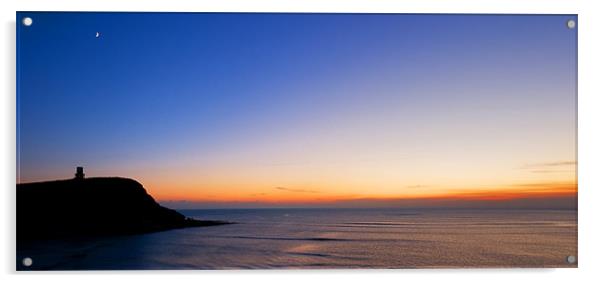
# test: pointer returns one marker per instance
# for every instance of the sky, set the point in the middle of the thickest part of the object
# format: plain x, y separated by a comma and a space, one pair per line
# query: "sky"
254, 110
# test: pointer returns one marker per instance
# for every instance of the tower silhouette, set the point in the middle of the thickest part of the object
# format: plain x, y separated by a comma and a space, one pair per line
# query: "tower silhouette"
79, 173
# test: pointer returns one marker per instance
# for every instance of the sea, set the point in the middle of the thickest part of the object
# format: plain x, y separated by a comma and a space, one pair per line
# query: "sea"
329, 239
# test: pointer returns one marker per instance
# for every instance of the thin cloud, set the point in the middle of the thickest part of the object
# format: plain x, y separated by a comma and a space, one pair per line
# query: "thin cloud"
550, 167
550, 164
546, 185
295, 190
551, 171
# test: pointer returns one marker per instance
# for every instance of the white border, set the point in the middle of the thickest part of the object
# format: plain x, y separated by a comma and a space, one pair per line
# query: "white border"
590, 139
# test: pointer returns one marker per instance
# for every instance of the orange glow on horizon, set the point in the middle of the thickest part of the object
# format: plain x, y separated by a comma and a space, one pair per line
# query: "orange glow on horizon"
520, 191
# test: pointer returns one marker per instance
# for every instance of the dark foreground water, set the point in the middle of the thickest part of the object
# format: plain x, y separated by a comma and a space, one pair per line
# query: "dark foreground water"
330, 238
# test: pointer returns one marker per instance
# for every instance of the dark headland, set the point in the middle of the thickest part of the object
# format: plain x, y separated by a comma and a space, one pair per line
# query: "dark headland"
93, 207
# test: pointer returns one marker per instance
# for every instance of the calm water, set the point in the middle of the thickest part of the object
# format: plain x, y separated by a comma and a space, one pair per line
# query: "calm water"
331, 238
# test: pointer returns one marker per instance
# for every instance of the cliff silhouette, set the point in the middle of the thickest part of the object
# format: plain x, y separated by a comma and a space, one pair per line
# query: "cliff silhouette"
93, 207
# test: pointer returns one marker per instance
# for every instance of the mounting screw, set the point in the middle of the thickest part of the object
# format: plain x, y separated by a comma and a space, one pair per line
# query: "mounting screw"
27, 261
571, 24
571, 259
27, 21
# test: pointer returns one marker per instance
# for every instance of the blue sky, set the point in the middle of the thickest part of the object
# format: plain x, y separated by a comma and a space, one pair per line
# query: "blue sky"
170, 98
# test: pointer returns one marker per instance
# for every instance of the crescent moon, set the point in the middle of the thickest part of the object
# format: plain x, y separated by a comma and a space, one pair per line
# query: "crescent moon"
97, 34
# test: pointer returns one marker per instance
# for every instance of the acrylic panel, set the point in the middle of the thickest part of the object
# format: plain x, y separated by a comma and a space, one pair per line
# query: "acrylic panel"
295, 141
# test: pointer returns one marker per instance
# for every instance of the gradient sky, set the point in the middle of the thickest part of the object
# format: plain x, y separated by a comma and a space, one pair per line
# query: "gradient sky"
301, 108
